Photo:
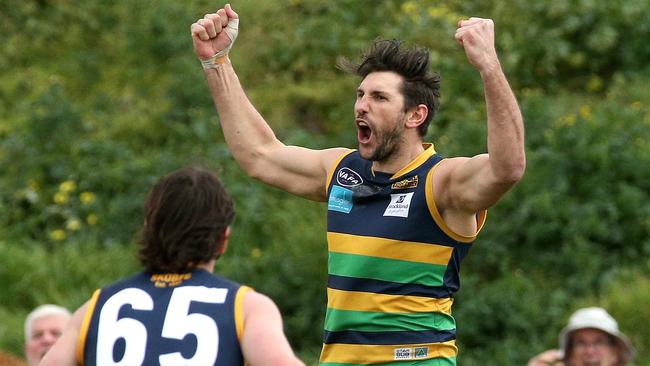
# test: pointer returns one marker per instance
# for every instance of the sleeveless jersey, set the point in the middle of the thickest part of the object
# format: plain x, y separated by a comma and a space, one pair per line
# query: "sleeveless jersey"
393, 267
191, 318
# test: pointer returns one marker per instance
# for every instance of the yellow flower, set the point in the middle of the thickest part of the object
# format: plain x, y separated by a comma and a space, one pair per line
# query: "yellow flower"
585, 112
410, 7
33, 184
87, 198
68, 186
577, 59
73, 224
443, 12
636, 105
57, 235
60, 198
92, 219
594, 84
436, 11
568, 120
256, 253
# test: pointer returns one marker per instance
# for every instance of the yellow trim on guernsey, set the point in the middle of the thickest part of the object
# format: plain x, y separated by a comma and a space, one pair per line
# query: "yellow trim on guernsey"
428, 152
239, 311
83, 331
330, 174
433, 209
370, 354
389, 248
382, 303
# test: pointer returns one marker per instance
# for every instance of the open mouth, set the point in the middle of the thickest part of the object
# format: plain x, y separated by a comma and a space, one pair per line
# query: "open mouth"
363, 131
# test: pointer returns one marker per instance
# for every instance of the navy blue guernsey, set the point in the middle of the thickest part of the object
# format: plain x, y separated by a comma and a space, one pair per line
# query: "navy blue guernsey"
164, 319
393, 267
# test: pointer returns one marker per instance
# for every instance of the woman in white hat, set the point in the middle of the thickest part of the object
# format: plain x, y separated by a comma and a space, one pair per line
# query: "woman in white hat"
591, 338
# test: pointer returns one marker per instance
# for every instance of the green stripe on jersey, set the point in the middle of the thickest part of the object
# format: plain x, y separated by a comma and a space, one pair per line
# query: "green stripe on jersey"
360, 266
337, 320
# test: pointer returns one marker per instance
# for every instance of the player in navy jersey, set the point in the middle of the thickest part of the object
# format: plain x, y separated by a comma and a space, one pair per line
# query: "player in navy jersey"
401, 217
177, 311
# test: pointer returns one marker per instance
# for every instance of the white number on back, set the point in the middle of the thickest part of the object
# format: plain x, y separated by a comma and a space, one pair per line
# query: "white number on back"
111, 328
178, 323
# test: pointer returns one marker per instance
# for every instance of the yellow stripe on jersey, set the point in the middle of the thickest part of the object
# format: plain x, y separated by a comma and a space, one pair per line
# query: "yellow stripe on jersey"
389, 248
239, 311
367, 301
369, 354
429, 150
83, 331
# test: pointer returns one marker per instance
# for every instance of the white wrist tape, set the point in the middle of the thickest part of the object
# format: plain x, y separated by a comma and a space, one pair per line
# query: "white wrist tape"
232, 29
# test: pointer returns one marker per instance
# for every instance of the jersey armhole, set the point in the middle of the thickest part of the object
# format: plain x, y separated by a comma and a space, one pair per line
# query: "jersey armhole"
83, 331
435, 214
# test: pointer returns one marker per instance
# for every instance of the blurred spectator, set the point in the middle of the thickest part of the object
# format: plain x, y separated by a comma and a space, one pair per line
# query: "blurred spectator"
591, 338
43, 326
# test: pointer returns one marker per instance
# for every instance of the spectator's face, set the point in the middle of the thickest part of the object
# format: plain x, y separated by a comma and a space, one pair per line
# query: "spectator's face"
592, 347
45, 331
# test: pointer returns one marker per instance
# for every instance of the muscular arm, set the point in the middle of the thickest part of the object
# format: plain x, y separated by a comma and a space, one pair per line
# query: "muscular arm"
63, 352
297, 170
261, 155
474, 184
264, 342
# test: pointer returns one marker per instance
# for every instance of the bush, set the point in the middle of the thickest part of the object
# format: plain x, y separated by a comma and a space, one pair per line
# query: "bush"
99, 99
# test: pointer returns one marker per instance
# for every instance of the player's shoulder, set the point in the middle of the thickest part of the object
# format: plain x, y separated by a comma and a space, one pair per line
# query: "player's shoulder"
334, 154
257, 301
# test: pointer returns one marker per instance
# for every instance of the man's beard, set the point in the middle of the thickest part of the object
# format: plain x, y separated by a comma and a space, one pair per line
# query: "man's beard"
390, 143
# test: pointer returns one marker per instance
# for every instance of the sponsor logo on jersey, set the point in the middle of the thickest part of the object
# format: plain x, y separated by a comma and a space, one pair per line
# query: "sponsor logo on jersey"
169, 279
399, 205
340, 199
421, 352
403, 353
348, 177
406, 183
407, 353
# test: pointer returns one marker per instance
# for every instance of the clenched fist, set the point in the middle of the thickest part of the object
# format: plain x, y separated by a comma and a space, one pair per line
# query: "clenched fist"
476, 35
214, 34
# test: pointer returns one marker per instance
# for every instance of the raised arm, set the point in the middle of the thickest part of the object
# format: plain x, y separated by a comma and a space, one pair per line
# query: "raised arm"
264, 342
474, 184
251, 140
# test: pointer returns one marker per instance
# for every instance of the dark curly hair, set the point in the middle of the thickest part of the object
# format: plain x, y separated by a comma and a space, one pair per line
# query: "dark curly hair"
420, 86
186, 217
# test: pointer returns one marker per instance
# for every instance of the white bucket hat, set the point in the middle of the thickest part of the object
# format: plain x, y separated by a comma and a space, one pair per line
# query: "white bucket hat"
598, 318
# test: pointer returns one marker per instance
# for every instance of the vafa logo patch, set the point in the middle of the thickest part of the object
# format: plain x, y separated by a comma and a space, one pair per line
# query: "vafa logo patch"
348, 177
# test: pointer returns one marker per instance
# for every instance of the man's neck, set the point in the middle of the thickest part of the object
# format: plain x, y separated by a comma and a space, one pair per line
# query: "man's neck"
208, 266
398, 160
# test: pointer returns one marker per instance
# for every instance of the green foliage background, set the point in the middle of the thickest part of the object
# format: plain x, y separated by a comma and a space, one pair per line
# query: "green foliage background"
99, 99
